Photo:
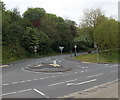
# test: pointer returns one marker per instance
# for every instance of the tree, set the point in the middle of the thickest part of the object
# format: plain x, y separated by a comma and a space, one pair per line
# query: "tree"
34, 15
92, 17
106, 35
84, 39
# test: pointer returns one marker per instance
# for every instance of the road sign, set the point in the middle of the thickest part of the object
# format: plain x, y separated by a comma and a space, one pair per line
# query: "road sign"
61, 48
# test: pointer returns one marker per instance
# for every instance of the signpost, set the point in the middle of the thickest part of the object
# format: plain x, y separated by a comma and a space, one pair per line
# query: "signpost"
75, 46
95, 46
61, 48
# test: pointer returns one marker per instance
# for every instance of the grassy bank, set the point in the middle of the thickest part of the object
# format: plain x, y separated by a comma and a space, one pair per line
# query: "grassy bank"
13, 59
103, 57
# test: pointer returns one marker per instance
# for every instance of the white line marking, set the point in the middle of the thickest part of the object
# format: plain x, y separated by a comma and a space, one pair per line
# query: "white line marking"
56, 84
35, 79
6, 84
42, 78
71, 80
86, 82
82, 71
8, 93
14, 82
41, 93
94, 75
70, 84
22, 81
24, 90
28, 80
67, 74
90, 76
75, 72
16, 92
114, 71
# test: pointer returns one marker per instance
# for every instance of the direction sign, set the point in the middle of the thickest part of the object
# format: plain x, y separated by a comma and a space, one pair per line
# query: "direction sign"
61, 48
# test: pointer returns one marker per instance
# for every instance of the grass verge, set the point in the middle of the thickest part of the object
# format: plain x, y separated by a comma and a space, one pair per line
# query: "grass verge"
104, 57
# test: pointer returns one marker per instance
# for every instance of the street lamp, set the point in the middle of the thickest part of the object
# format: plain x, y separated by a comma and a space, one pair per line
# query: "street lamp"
75, 46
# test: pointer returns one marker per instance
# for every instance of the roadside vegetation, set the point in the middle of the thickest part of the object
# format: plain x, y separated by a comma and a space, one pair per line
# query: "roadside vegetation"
103, 57
37, 33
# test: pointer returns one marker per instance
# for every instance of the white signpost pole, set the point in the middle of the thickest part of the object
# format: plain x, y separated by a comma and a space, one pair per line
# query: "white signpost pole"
61, 48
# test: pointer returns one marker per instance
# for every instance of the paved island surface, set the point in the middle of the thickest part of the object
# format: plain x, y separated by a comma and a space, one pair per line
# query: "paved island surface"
18, 82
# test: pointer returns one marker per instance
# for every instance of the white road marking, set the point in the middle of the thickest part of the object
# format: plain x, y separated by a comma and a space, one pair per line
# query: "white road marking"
8, 93
114, 71
35, 79
75, 72
81, 66
42, 78
14, 82
6, 84
86, 82
71, 80
94, 75
62, 82
82, 71
28, 80
24, 90
70, 84
16, 92
22, 81
41, 93
67, 74
56, 84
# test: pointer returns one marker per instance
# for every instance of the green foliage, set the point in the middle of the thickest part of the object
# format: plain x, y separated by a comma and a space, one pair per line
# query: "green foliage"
46, 32
106, 35
34, 14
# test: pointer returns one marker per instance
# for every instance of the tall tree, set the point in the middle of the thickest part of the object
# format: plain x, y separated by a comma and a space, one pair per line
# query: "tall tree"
92, 17
106, 35
34, 15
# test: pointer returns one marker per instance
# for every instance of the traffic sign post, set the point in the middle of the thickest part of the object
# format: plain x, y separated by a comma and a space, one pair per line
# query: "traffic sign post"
95, 46
61, 48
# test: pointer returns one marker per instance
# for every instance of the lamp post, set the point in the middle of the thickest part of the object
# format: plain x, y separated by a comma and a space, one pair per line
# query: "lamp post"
75, 46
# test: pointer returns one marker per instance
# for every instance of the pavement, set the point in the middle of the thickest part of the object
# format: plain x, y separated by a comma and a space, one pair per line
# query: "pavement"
18, 82
108, 90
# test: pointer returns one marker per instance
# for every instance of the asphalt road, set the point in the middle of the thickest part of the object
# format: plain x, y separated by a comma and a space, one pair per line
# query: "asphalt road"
18, 83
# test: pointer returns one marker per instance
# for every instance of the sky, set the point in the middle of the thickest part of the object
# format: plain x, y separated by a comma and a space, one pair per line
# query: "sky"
67, 9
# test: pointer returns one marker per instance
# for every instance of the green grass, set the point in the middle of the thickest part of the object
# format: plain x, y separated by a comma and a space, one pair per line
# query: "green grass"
103, 57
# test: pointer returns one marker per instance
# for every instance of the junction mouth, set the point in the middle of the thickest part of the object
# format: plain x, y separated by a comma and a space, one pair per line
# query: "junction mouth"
48, 67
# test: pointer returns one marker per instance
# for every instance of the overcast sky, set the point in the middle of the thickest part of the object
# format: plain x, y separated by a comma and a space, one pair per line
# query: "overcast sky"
72, 9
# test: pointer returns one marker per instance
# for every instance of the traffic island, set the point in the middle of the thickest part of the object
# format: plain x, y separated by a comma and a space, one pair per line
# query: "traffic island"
48, 67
